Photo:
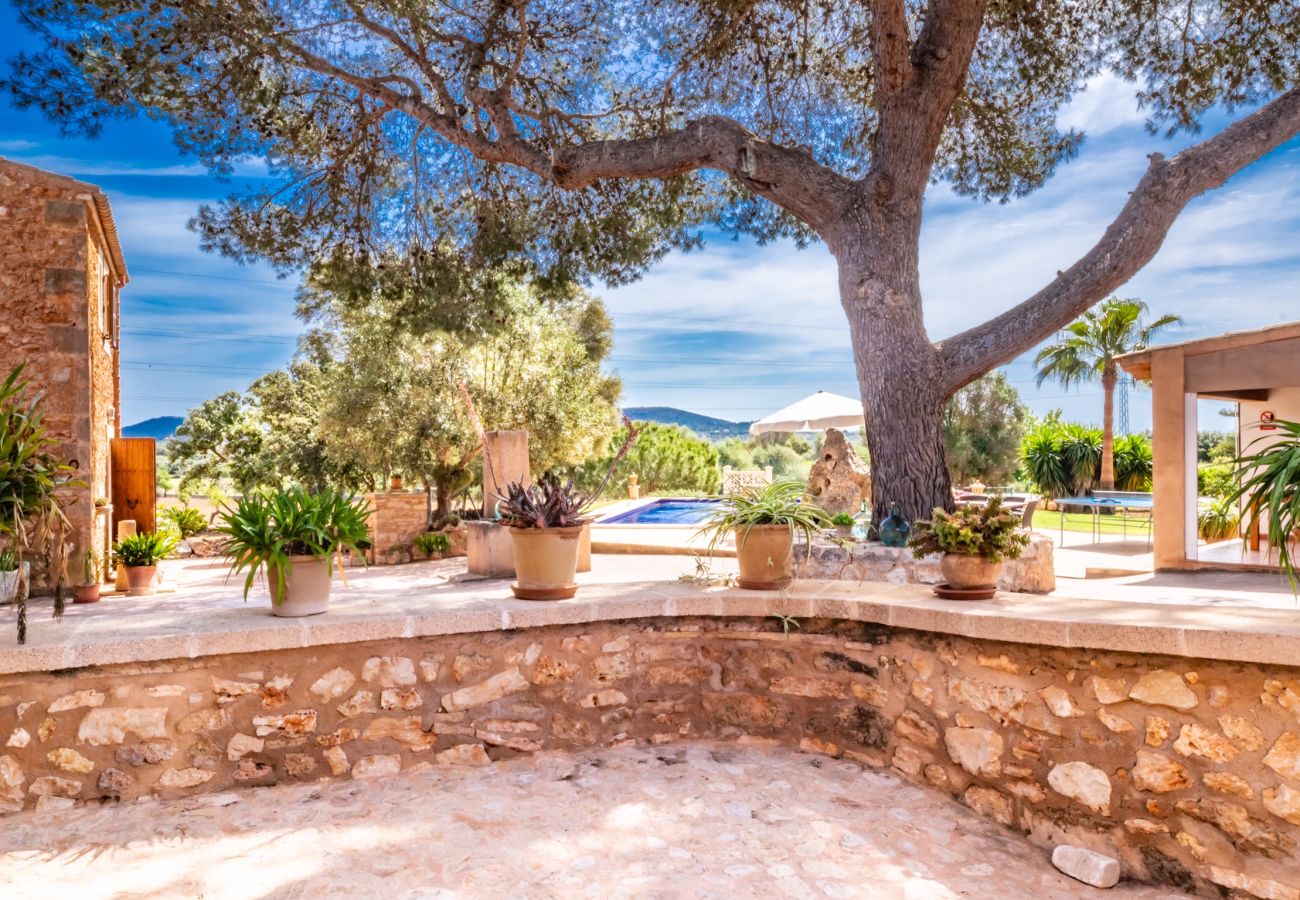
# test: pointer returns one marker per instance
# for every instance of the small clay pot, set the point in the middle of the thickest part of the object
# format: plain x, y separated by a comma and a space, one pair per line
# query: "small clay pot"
87, 593
969, 572
139, 580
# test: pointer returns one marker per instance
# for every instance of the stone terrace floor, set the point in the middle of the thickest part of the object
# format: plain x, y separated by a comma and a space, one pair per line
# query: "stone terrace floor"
697, 820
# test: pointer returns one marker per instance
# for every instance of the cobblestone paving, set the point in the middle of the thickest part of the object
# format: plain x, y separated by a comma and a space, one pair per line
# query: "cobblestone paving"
702, 820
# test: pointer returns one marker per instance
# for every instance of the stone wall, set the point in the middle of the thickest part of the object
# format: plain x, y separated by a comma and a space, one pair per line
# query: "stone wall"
397, 518
1032, 573
1186, 770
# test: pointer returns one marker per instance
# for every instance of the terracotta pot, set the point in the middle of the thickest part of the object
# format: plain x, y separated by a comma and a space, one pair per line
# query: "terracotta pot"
546, 560
766, 557
395, 483
87, 593
844, 530
119, 578
307, 588
969, 572
139, 580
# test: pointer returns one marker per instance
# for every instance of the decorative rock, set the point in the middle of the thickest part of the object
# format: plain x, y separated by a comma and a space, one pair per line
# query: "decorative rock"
19, 738
146, 753
1163, 688
907, 760
68, 760
1284, 756
510, 681
463, 755
839, 480
360, 702
184, 778
53, 786
1084, 783
1003, 703
1027, 790
1108, 690
115, 781
377, 766
111, 725
1227, 783
1284, 803
405, 731
1159, 774
1117, 724
618, 645
1197, 740
337, 760
392, 698
243, 744
203, 720
334, 683
1060, 703
1246, 735
510, 741
608, 697
977, 750
1157, 731
1092, 868
76, 700
388, 671
301, 722
469, 664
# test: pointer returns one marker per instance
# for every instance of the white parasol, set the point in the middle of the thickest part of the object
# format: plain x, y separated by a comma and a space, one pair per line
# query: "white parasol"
816, 413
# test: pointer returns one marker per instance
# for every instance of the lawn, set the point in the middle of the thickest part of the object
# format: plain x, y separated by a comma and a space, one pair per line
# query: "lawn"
1048, 520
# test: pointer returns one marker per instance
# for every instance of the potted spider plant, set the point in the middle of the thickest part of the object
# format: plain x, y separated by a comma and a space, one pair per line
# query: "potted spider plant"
974, 540
1269, 492
140, 554
764, 523
88, 590
296, 536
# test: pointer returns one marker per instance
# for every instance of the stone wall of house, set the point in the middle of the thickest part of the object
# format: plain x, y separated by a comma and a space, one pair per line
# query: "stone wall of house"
1186, 770
396, 519
1032, 573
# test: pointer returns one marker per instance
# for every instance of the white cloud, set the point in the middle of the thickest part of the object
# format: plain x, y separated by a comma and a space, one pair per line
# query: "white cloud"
1106, 103
16, 146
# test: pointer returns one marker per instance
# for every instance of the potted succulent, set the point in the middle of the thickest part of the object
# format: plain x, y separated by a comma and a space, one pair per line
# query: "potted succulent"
88, 590
974, 540
140, 554
546, 521
764, 523
843, 523
296, 536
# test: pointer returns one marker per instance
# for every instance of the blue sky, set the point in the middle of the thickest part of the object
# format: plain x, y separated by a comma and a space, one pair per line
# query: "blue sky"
735, 330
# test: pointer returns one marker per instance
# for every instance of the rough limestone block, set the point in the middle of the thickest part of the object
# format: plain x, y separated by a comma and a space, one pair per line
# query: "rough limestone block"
1087, 866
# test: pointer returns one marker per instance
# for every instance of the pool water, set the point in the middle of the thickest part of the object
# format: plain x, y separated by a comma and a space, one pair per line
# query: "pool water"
667, 512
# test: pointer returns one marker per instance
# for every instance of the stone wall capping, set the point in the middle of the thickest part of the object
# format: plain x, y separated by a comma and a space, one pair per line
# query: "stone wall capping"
1264, 636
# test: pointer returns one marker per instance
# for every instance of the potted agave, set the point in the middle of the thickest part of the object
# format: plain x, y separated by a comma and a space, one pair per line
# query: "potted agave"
88, 590
546, 521
296, 537
763, 523
974, 541
140, 555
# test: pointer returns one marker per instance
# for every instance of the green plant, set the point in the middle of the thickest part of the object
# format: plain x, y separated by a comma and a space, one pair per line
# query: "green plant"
787, 622
1270, 492
1133, 466
90, 567
549, 503
187, 520
844, 520
780, 503
988, 531
1219, 519
1216, 480
8, 560
432, 542
265, 530
148, 548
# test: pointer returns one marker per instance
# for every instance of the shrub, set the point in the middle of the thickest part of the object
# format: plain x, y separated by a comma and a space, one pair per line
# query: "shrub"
432, 542
1133, 463
148, 548
843, 520
187, 520
665, 459
988, 531
1219, 519
1216, 480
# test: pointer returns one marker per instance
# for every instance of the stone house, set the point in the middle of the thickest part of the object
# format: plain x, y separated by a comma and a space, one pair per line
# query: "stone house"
61, 270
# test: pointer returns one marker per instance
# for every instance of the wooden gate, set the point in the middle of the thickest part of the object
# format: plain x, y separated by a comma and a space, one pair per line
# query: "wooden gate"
135, 482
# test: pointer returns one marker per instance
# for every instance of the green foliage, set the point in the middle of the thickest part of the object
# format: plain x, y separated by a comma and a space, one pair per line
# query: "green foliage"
1133, 466
665, 459
1216, 446
1061, 459
265, 530
90, 567
844, 520
1270, 492
432, 542
550, 503
780, 503
8, 560
1217, 480
988, 531
221, 439
187, 520
735, 452
983, 427
1219, 519
148, 548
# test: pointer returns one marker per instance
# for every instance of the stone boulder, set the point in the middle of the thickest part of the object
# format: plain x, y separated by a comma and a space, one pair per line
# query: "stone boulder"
839, 480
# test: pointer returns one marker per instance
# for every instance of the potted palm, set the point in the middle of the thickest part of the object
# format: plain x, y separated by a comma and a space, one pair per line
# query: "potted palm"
140, 555
88, 590
1269, 491
296, 536
974, 541
764, 523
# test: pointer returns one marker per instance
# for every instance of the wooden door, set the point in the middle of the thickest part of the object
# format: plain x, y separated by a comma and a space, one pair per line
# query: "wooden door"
135, 482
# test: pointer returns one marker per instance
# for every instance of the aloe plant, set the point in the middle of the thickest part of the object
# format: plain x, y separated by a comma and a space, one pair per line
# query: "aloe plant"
1270, 493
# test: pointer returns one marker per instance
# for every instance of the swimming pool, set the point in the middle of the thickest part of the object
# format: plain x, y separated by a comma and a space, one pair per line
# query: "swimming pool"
667, 512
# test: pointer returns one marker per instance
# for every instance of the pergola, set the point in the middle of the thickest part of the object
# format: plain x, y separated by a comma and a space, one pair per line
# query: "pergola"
1258, 370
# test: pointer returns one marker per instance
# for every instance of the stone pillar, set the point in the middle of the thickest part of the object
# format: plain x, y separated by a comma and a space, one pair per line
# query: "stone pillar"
1170, 451
489, 550
505, 460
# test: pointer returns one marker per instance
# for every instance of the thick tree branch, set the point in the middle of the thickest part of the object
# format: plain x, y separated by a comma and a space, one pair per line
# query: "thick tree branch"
1128, 244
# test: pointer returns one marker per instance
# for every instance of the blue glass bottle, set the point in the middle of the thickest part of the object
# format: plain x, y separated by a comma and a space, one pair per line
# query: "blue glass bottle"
895, 529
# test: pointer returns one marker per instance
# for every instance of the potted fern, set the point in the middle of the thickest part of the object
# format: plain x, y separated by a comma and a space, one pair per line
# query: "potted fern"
1269, 491
296, 537
764, 523
974, 541
140, 554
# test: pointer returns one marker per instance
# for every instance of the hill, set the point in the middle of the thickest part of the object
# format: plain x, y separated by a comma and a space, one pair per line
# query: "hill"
704, 426
160, 428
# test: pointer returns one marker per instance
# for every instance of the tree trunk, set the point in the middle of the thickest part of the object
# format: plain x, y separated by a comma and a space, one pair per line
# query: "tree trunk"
903, 397
1109, 378
443, 506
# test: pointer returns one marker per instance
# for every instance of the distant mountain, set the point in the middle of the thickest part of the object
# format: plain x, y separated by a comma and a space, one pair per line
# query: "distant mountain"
160, 428
704, 426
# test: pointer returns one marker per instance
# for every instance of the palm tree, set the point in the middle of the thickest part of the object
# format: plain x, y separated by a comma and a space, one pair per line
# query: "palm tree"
1086, 352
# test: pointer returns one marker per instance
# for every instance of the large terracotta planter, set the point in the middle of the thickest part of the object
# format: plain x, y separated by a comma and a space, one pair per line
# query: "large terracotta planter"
306, 588
546, 561
765, 554
969, 572
139, 580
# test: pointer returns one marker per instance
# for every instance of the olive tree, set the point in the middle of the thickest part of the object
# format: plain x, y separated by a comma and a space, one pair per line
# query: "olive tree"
586, 137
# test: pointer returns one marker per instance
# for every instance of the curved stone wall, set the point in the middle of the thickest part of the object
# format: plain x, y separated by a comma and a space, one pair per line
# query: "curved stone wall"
1032, 573
1187, 770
